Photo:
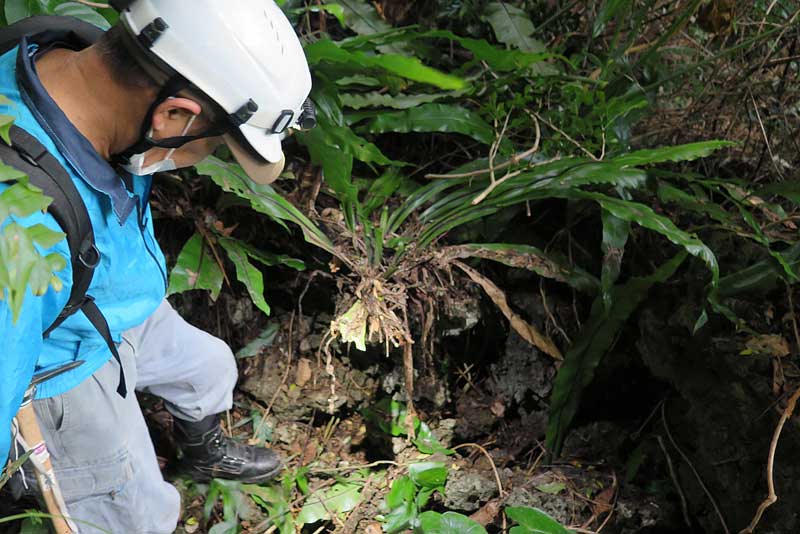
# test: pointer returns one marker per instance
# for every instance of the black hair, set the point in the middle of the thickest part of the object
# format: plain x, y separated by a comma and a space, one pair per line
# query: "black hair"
123, 65
128, 72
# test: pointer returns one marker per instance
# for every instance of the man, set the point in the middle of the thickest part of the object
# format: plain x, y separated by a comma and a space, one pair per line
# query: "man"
158, 91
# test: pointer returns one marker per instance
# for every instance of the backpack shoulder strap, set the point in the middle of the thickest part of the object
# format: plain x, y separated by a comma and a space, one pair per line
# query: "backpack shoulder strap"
10, 35
44, 171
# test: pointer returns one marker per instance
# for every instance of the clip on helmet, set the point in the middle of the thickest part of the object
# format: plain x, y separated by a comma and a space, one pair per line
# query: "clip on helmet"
244, 56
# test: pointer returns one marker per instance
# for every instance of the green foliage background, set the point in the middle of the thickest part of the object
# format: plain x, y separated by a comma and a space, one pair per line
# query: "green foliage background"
433, 135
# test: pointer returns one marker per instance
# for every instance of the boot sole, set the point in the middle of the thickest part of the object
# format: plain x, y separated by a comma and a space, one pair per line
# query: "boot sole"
199, 476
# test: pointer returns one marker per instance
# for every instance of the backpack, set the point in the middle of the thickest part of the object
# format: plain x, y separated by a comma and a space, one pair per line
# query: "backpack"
26, 154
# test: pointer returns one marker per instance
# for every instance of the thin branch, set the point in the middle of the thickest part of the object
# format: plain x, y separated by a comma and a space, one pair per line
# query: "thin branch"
516, 158
766, 137
691, 466
509, 175
565, 134
492, 185
675, 482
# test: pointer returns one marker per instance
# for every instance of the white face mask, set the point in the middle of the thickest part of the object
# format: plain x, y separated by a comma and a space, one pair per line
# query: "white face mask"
136, 166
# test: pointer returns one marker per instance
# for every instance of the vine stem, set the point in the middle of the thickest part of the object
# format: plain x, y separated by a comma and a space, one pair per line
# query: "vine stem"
772, 497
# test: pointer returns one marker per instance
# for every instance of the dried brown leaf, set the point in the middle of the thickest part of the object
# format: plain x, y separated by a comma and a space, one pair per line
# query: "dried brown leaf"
528, 332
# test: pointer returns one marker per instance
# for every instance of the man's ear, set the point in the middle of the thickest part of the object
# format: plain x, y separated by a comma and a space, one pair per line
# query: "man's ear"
169, 117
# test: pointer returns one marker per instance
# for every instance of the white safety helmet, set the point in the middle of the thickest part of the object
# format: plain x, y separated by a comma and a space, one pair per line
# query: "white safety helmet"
243, 55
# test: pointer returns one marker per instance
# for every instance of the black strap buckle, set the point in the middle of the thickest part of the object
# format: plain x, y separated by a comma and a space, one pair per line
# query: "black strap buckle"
243, 114
151, 33
90, 257
283, 121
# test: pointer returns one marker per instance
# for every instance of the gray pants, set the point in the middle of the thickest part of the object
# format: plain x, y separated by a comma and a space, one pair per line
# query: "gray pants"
100, 446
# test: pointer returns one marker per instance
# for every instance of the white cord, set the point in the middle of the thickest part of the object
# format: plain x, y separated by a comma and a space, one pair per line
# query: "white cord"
48, 479
15, 433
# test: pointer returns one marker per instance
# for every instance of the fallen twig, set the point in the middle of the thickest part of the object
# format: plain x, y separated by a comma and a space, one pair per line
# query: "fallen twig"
772, 497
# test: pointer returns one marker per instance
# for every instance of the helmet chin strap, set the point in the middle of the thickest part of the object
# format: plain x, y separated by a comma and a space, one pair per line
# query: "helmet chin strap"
146, 142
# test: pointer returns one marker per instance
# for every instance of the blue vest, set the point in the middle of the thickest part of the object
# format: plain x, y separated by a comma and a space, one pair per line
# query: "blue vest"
128, 284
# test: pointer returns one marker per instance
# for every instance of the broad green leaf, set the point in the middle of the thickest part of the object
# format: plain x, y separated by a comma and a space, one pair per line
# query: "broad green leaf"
401, 507
677, 153
23, 268
12, 467
410, 68
759, 237
8, 173
380, 190
672, 195
425, 441
434, 118
498, 58
338, 499
333, 9
264, 340
615, 236
789, 189
375, 99
513, 27
552, 488
6, 122
16, 10
246, 272
83, 12
196, 268
594, 339
22, 199
647, 218
428, 474
449, 523
361, 17
271, 259
263, 198
228, 526
760, 277
337, 164
533, 521
44, 236
34, 525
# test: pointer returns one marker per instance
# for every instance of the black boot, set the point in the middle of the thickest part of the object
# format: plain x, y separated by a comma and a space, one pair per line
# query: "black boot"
208, 453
